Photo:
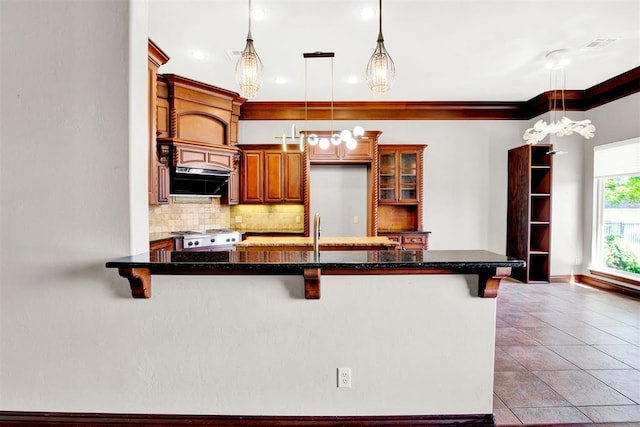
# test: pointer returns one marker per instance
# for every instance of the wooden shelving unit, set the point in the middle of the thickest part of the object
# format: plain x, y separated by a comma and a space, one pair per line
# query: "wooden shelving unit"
529, 211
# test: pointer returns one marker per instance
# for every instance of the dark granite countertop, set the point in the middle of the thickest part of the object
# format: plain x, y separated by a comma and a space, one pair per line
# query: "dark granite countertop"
299, 260
490, 267
402, 232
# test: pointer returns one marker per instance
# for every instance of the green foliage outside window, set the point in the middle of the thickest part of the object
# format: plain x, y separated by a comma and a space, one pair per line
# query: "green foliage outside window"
622, 192
620, 256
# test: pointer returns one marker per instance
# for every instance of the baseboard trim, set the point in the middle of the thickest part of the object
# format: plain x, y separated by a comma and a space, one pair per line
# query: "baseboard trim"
604, 284
60, 419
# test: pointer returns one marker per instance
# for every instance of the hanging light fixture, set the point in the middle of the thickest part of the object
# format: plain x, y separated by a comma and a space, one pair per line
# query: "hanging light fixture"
557, 61
349, 137
249, 67
380, 70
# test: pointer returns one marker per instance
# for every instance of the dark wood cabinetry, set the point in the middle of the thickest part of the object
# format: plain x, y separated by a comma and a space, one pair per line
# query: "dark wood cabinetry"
400, 177
418, 241
271, 176
529, 211
160, 250
158, 173
364, 151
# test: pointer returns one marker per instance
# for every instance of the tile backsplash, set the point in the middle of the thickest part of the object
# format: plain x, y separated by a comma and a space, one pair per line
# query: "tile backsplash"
188, 213
267, 218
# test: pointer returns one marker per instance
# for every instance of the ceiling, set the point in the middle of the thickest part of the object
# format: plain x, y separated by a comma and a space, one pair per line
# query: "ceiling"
444, 50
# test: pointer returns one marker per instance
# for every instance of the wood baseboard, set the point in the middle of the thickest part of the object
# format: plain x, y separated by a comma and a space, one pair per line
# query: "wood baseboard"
607, 285
60, 419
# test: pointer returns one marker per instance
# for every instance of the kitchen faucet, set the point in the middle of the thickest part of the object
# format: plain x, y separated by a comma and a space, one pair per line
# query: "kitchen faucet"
316, 235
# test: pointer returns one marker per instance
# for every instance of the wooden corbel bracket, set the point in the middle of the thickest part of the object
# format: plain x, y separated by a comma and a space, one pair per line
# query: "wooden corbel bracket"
139, 280
488, 284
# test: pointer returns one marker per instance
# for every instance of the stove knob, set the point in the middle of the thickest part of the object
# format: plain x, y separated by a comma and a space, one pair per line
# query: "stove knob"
228, 240
196, 243
190, 244
213, 240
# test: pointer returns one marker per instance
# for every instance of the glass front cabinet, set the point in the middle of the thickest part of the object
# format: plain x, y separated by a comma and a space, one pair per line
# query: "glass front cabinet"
399, 175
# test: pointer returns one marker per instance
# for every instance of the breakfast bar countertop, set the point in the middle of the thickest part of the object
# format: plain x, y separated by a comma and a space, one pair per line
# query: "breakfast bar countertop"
490, 267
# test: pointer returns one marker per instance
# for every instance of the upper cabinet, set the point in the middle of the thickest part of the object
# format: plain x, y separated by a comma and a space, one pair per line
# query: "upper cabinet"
340, 154
399, 192
271, 176
400, 174
158, 173
202, 113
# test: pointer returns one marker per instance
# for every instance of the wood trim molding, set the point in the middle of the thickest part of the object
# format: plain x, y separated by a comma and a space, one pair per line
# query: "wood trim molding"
22, 418
600, 283
610, 90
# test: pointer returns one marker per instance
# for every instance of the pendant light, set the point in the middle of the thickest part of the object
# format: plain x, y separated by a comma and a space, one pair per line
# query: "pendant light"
557, 61
380, 70
349, 137
249, 67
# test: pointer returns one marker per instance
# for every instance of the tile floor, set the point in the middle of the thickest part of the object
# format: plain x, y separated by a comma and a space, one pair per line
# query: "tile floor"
566, 354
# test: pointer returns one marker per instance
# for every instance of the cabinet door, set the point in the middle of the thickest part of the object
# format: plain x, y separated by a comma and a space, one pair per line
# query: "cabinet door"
293, 186
407, 178
160, 250
233, 194
252, 188
362, 152
388, 173
273, 177
318, 155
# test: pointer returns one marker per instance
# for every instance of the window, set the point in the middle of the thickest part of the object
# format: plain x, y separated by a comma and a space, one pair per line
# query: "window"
616, 247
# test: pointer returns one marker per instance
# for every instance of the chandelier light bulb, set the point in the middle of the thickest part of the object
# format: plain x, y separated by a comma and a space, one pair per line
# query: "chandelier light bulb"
345, 135
358, 131
324, 143
335, 139
351, 144
312, 139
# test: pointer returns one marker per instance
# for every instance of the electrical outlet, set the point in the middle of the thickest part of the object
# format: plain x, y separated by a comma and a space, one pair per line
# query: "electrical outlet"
238, 219
344, 377
355, 219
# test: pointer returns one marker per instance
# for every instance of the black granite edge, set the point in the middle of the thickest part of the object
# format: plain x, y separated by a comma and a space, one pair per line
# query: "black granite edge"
460, 266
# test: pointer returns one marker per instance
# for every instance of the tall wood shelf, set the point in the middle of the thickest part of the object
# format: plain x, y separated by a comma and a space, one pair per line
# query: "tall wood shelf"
529, 211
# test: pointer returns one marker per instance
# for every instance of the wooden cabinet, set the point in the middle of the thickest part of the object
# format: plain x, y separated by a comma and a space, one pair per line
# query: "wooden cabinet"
271, 176
160, 250
418, 241
400, 170
529, 211
400, 176
364, 152
158, 173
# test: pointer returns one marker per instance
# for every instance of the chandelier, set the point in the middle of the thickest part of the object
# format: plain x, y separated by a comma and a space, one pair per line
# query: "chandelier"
249, 67
557, 60
349, 137
380, 70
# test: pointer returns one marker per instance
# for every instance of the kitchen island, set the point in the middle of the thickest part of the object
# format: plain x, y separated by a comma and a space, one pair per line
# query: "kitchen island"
293, 243
416, 329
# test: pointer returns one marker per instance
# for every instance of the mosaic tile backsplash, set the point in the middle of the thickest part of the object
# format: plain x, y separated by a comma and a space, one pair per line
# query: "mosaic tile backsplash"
188, 213
268, 218
196, 213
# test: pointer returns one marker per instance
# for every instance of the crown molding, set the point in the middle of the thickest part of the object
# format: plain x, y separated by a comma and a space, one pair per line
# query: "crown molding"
610, 90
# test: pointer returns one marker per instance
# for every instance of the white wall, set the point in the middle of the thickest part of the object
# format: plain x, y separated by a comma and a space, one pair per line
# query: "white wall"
65, 192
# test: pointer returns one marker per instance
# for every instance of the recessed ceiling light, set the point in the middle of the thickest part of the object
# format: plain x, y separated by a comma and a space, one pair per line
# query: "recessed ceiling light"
198, 54
368, 13
352, 80
257, 14
281, 80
